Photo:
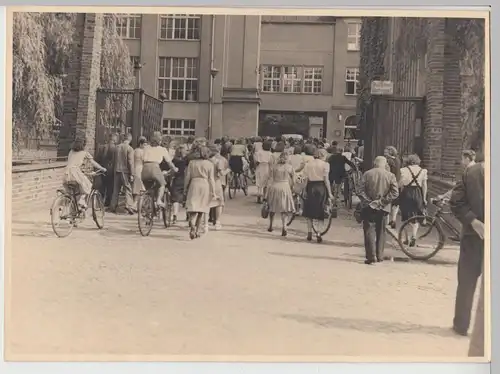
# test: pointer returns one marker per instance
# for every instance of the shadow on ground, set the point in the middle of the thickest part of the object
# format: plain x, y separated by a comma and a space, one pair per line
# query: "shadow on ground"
372, 326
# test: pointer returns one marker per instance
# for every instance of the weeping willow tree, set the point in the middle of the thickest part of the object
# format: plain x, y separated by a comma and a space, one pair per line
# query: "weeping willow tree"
42, 46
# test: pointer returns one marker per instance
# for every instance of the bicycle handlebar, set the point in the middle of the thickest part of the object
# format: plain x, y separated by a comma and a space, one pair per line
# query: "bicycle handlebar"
96, 173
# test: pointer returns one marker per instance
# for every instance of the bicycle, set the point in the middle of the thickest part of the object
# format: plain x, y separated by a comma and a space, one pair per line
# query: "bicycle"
353, 179
236, 182
298, 202
148, 209
67, 202
321, 227
430, 222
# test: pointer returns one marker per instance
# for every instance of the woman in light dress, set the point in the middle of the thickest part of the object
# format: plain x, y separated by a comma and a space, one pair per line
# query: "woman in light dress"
138, 185
199, 183
279, 191
262, 160
73, 173
413, 196
317, 190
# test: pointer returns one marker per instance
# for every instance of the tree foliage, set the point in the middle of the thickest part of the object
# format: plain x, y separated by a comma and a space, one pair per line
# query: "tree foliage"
42, 46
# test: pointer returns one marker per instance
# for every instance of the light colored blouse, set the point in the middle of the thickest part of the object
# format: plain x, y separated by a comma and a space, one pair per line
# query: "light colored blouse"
77, 159
263, 157
156, 154
316, 170
239, 150
406, 177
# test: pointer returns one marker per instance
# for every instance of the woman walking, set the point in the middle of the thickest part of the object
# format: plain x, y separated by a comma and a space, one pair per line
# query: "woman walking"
177, 186
317, 191
413, 195
262, 160
138, 185
199, 184
279, 191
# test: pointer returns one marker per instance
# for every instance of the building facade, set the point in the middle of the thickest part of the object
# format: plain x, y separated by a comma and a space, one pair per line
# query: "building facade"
242, 75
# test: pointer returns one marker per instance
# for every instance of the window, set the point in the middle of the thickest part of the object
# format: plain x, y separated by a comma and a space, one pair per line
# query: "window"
353, 36
128, 26
179, 127
313, 78
134, 60
351, 128
292, 79
271, 81
180, 27
178, 78
351, 81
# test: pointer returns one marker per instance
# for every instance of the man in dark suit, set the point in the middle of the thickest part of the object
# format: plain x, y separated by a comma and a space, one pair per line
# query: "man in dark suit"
106, 157
124, 174
467, 204
378, 189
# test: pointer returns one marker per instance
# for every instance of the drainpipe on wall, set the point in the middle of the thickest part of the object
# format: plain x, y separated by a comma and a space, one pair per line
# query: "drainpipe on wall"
213, 73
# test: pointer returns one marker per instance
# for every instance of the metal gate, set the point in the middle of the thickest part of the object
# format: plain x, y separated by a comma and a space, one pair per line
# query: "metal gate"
152, 115
393, 121
126, 111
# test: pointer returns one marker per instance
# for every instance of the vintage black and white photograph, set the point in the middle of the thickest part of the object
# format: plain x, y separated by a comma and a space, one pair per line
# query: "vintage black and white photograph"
228, 186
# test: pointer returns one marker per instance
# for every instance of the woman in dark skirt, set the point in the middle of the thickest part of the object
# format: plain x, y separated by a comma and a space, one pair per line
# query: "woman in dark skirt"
177, 187
413, 196
317, 191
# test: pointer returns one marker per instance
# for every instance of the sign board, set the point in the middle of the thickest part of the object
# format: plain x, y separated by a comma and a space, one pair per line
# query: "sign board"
315, 120
382, 88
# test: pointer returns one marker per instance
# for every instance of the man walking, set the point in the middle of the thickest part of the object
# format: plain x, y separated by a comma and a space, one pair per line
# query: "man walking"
106, 157
124, 174
467, 205
378, 189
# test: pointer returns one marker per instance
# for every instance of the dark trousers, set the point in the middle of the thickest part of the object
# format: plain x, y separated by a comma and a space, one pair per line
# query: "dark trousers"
212, 216
374, 233
470, 268
122, 180
106, 187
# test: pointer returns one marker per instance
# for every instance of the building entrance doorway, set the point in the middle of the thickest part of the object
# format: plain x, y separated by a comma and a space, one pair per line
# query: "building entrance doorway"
277, 123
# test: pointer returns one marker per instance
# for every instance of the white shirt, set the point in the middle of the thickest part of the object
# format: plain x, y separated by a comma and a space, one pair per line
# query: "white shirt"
156, 154
347, 155
406, 176
316, 170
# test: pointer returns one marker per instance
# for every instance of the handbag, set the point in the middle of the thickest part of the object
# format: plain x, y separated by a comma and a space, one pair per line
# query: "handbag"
264, 212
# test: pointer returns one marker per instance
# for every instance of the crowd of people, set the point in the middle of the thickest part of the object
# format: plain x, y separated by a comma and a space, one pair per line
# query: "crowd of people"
284, 169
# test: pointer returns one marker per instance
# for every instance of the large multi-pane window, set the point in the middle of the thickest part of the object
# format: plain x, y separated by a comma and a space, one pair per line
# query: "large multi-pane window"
179, 127
129, 26
353, 35
180, 26
313, 78
178, 78
291, 79
351, 81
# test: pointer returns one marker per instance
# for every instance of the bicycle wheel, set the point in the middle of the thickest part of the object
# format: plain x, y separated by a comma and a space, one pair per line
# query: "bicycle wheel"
427, 243
232, 186
63, 210
321, 227
146, 213
97, 209
244, 184
167, 211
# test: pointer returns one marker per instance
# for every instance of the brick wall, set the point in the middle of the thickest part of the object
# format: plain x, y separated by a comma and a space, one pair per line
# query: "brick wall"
34, 187
83, 81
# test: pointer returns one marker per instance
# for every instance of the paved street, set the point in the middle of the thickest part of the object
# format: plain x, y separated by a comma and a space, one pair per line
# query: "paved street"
241, 291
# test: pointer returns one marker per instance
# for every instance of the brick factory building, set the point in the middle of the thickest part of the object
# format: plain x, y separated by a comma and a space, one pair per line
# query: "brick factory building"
272, 75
